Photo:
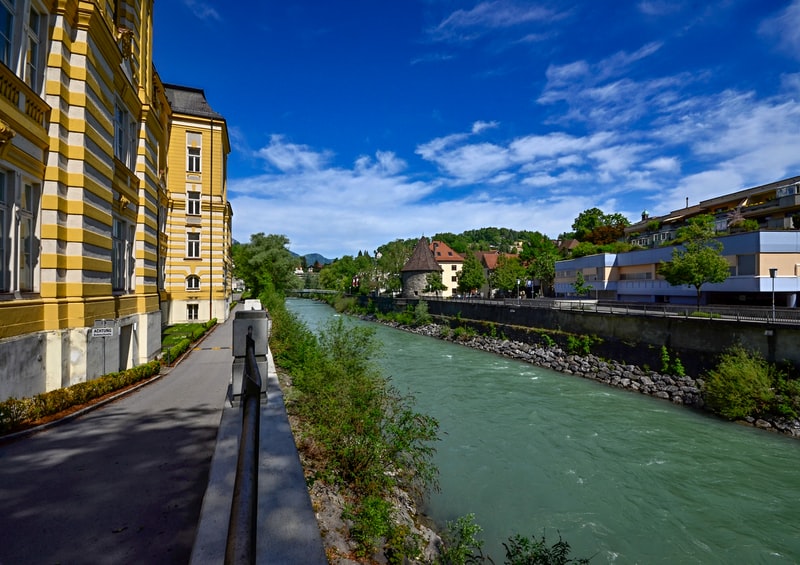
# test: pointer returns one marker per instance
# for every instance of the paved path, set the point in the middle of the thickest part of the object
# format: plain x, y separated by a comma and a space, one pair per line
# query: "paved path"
123, 483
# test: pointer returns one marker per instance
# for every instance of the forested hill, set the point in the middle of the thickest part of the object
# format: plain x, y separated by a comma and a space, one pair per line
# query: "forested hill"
501, 239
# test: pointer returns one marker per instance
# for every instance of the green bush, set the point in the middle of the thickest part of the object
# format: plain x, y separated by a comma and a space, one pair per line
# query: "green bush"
530, 551
580, 345
15, 413
421, 315
741, 385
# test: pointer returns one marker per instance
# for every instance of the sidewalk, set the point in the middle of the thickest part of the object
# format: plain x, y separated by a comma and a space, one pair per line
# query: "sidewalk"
288, 529
148, 477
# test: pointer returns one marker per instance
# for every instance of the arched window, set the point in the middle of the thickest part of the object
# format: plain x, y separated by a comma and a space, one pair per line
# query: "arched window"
192, 282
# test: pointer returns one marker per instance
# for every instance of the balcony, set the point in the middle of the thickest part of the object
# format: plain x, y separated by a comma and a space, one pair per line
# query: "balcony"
24, 111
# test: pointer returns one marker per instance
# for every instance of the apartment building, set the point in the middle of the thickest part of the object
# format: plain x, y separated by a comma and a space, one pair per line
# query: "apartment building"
84, 138
763, 257
198, 268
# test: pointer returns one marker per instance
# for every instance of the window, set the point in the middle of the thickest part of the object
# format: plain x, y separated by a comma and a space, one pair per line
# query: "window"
746, 265
192, 282
453, 267
27, 239
19, 244
6, 30
192, 312
4, 215
121, 255
193, 245
193, 203
125, 135
193, 146
33, 76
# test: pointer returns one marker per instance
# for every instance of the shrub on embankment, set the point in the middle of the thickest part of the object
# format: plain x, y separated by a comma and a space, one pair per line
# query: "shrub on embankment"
362, 433
19, 413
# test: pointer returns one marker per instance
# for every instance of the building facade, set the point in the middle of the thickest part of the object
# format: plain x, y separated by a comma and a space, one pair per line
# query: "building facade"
451, 264
198, 267
84, 138
634, 277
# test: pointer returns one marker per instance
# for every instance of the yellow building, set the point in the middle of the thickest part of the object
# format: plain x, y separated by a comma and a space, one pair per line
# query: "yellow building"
198, 265
84, 135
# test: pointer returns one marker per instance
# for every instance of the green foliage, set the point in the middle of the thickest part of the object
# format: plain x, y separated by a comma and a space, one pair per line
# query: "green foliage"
671, 365
460, 542
547, 340
580, 286
463, 333
509, 275
471, 277
434, 282
741, 385
580, 345
540, 254
371, 523
265, 264
421, 315
369, 436
700, 260
530, 551
390, 259
598, 227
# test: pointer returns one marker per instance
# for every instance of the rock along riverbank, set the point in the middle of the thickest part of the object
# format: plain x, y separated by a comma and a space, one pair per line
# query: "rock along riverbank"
681, 390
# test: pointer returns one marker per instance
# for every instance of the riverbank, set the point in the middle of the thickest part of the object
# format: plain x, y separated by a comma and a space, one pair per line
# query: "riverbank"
680, 390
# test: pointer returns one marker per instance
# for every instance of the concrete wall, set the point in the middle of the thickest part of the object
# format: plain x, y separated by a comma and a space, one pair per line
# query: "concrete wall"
44, 361
625, 337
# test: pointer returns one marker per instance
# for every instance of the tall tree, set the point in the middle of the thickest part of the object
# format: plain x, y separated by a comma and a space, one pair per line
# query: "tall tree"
471, 277
391, 258
265, 264
596, 226
699, 260
540, 254
509, 274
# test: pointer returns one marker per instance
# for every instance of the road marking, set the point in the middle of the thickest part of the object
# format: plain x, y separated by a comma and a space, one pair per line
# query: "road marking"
210, 348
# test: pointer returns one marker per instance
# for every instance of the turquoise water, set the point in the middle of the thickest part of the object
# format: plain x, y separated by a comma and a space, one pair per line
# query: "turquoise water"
622, 477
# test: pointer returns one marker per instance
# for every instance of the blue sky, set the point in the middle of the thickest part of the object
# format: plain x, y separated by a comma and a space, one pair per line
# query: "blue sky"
357, 122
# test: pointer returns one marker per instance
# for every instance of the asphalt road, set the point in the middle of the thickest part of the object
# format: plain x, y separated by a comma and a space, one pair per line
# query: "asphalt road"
123, 483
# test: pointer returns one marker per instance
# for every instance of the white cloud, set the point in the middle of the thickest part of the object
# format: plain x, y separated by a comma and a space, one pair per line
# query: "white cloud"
288, 157
202, 10
784, 29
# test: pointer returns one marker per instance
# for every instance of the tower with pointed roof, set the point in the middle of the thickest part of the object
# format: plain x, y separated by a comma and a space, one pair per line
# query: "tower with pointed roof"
415, 272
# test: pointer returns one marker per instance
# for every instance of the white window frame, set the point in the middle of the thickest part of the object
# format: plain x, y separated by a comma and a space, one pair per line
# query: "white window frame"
34, 60
19, 232
193, 245
193, 205
194, 152
122, 259
125, 135
5, 240
193, 283
192, 312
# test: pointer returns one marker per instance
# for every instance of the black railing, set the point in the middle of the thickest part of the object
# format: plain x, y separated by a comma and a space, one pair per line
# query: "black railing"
241, 543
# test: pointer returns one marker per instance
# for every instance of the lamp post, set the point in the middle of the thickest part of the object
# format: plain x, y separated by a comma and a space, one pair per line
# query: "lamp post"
517, 291
772, 273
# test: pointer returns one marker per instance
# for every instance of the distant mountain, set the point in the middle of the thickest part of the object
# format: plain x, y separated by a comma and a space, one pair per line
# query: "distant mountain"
312, 258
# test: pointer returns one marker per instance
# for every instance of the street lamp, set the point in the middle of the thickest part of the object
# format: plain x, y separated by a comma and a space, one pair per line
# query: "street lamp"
517, 291
772, 273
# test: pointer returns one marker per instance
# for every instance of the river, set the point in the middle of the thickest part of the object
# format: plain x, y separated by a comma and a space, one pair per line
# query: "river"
622, 477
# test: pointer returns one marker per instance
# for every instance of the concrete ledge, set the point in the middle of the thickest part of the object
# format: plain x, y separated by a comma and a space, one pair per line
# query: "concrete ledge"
288, 529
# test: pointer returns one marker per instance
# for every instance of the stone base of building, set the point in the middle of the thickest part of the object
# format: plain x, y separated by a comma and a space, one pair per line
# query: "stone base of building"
43, 361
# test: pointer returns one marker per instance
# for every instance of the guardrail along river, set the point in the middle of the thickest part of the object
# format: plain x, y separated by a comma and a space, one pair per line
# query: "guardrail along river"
622, 477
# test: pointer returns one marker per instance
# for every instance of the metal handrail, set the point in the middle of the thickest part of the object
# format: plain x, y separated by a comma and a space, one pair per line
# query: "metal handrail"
241, 542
